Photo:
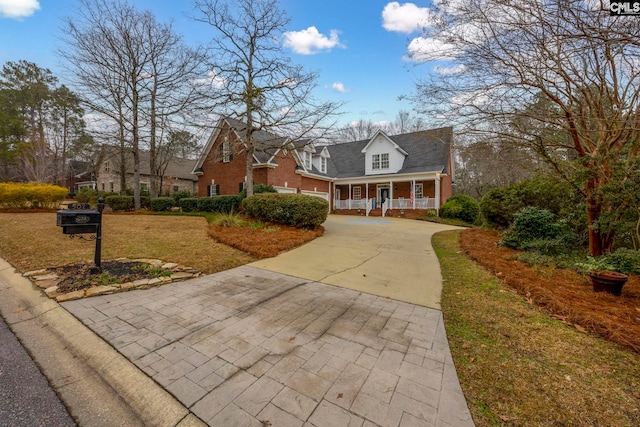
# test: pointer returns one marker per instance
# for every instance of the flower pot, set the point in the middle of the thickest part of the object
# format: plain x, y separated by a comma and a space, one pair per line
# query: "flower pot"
608, 281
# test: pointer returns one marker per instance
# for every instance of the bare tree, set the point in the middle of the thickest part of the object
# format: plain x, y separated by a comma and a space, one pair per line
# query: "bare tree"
360, 130
559, 76
132, 71
174, 68
252, 78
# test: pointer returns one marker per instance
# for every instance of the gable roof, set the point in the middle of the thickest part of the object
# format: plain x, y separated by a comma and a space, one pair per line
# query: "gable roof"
267, 143
385, 136
177, 167
427, 151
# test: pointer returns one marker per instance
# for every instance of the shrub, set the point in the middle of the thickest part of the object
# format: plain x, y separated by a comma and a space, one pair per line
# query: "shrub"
499, 206
31, 195
461, 207
189, 204
90, 196
161, 204
120, 203
297, 210
223, 204
180, 195
537, 229
624, 260
258, 189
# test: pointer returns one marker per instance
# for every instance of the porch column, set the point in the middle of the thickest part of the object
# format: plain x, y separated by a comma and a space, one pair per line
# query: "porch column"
366, 201
413, 193
349, 198
437, 191
391, 194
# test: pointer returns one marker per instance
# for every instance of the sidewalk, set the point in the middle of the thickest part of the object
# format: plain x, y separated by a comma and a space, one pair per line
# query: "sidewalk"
250, 346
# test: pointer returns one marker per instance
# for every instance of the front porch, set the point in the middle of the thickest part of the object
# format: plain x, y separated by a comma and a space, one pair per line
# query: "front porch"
407, 198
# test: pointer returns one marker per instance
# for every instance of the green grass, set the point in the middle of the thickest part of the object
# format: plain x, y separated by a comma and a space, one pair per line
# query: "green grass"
519, 367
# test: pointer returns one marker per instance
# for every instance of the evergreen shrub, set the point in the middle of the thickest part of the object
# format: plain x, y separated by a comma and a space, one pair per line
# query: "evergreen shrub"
162, 204
462, 207
296, 210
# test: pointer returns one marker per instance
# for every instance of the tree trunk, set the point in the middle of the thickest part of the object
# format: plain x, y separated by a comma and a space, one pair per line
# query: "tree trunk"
153, 173
136, 149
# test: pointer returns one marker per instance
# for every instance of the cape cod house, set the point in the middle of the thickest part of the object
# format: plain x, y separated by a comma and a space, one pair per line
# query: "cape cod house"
384, 175
175, 174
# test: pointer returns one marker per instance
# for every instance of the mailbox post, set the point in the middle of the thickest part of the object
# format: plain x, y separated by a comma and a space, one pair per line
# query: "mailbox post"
80, 219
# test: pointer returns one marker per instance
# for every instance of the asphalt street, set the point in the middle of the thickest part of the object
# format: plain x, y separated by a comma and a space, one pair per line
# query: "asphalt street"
26, 399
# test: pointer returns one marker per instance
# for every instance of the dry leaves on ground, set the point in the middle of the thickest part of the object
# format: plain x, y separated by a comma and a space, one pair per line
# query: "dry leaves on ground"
565, 294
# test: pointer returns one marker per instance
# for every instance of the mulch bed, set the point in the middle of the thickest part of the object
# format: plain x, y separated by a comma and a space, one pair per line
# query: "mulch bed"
564, 294
79, 276
266, 241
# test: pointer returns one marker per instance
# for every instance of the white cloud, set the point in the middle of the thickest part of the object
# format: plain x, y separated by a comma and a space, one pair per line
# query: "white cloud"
458, 69
310, 41
405, 18
429, 49
18, 8
213, 79
478, 98
339, 87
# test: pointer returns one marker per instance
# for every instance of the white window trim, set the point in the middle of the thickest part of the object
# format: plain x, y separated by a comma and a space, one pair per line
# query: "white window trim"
323, 165
308, 165
226, 152
384, 161
419, 191
380, 161
357, 195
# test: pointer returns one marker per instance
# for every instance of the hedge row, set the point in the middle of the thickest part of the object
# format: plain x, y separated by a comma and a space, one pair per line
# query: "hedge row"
126, 203
31, 195
297, 210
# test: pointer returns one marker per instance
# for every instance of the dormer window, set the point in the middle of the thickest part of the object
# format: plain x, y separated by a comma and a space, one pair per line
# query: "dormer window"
227, 156
380, 161
323, 165
307, 160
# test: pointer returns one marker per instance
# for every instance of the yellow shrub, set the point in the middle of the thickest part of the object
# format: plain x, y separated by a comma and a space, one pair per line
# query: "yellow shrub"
19, 195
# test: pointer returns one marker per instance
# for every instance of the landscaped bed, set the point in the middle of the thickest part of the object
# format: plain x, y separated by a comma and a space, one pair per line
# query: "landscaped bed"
564, 294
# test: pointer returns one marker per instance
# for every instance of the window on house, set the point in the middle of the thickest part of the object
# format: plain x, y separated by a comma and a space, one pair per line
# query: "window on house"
103, 186
307, 160
419, 193
357, 193
380, 161
111, 186
176, 188
107, 166
225, 152
144, 187
323, 165
384, 161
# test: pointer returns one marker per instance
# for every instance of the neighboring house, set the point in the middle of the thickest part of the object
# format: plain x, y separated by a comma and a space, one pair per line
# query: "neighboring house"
175, 175
389, 175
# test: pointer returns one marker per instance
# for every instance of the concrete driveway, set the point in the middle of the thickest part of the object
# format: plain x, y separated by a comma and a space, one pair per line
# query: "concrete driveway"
388, 257
343, 331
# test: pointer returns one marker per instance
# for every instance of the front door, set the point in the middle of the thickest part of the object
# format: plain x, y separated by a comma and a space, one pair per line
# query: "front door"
383, 194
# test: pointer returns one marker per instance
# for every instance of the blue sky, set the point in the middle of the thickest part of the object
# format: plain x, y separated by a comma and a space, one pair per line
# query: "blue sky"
359, 52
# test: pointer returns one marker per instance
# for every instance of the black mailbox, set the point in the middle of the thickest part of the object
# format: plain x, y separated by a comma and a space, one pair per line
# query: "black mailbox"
81, 221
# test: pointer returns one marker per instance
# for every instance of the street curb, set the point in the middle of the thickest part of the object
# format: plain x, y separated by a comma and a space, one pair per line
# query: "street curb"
23, 306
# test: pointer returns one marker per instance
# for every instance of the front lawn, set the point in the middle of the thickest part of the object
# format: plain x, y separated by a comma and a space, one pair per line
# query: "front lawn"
521, 364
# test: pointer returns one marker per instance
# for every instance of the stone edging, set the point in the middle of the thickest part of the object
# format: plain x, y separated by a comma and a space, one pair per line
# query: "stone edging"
48, 281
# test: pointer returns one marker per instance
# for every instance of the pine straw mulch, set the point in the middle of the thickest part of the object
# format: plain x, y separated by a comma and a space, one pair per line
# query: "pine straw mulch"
564, 294
263, 242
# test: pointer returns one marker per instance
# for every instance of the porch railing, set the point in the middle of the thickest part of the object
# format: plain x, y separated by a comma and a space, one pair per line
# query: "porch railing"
370, 206
385, 206
424, 203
